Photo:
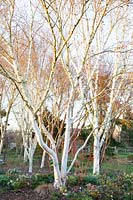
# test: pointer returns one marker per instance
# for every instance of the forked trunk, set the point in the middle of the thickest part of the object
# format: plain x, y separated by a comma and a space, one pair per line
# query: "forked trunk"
52, 153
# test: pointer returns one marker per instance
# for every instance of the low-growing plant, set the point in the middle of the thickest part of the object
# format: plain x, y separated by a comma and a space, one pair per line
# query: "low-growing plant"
13, 180
93, 179
22, 181
118, 188
39, 179
72, 180
14, 171
4, 180
56, 196
84, 195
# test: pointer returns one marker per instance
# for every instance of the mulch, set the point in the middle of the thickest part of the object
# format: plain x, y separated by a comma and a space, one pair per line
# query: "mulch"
26, 194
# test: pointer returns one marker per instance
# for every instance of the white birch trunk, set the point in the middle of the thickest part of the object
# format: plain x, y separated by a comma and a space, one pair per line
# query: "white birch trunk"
51, 152
1, 144
96, 154
57, 174
2, 136
43, 159
32, 148
25, 155
66, 146
31, 163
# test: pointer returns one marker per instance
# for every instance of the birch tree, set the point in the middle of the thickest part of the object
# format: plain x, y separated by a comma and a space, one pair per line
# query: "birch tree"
21, 75
65, 31
2, 114
27, 134
116, 67
6, 104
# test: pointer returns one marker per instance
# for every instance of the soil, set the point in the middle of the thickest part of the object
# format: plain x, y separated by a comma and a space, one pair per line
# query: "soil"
26, 194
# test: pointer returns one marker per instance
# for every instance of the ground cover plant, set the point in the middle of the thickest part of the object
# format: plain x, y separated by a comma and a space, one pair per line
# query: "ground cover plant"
115, 182
116, 186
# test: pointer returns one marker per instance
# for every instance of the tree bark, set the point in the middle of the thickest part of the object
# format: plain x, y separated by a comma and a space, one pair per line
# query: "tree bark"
66, 146
1, 144
31, 163
96, 155
25, 155
43, 159
51, 152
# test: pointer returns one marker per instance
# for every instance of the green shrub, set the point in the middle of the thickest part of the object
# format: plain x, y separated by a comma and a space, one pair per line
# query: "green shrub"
109, 174
22, 181
56, 196
39, 179
14, 171
44, 178
84, 195
13, 180
4, 180
91, 179
118, 188
72, 180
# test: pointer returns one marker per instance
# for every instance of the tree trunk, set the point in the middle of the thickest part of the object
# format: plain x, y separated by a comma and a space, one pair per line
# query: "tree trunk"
25, 155
96, 155
1, 145
57, 174
66, 146
43, 159
52, 153
31, 163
